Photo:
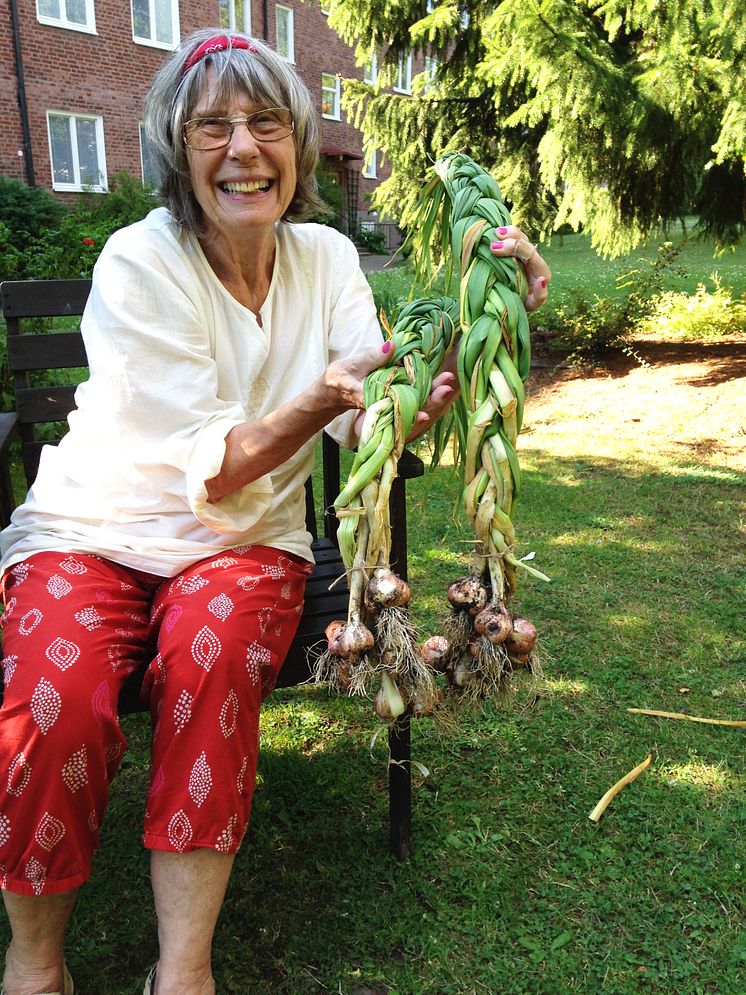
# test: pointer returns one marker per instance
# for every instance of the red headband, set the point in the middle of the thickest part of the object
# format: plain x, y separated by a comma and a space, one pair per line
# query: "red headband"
219, 43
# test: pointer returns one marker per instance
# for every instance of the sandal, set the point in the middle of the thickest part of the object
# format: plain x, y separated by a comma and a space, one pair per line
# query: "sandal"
67, 984
149, 988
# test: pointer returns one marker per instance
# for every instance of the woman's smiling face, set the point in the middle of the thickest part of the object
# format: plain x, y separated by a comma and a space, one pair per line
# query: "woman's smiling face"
246, 185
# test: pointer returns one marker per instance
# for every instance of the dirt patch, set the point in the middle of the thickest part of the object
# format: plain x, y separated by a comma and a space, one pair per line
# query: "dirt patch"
685, 401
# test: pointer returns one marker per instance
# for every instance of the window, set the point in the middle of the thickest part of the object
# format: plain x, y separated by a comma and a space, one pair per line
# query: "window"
76, 14
430, 6
235, 15
284, 32
149, 173
370, 71
156, 22
330, 96
465, 18
430, 73
403, 82
76, 147
369, 168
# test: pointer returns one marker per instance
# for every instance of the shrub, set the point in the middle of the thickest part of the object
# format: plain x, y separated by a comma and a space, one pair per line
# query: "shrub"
706, 314
331, 193
372, 240
27, 211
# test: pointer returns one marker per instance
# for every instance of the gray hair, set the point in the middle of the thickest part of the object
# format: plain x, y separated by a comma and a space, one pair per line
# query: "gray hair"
260, 73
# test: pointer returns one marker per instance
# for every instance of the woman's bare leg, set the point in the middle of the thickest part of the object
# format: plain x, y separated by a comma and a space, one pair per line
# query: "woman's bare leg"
189, 889
34, 959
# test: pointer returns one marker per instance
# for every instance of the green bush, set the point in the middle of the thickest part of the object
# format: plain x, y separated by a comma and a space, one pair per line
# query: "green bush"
331, 193
27, 211
372, 240
704, 315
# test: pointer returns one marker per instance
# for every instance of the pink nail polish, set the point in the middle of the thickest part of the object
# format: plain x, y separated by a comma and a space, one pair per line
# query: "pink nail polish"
502, 231
543, 281
386, 347
497, 245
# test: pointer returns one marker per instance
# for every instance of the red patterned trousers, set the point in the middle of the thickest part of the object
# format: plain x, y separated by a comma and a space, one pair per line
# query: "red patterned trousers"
212, 640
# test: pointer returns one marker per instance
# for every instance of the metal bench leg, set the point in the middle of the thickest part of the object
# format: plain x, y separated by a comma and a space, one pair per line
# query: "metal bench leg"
400, 790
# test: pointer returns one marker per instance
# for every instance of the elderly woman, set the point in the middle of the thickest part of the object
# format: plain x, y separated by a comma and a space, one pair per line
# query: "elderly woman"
166, 532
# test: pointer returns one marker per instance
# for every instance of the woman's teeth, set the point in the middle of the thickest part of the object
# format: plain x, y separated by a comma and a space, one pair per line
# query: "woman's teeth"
248, 186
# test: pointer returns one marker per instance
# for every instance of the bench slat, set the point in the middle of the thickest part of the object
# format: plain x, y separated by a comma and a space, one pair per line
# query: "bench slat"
44, 298
53, 351
44, 404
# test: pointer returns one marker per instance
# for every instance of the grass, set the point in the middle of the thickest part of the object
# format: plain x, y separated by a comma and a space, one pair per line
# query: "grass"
511, 889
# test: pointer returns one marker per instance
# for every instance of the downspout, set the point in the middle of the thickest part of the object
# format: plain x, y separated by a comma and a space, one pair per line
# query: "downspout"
22, 105
265, 19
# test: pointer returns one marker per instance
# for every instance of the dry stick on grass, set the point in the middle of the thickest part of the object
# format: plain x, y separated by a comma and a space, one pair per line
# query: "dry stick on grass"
737, 723
599, 810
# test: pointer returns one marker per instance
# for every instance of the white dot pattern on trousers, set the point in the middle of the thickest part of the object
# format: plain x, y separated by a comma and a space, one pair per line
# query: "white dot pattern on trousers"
225, 561
200, 780
58, 587
241, 775
264, 616
62, 652
286, 591
20, 573
46, 705
4, 829
221, 606
229, 714
191, 585
75, 771
49, 832
275, 572
183, 710
19, 775
206, 648
89, 618
72, 566
10, 605
36, 874
30, 621
224, 841
248, 582
180, 830
9, 668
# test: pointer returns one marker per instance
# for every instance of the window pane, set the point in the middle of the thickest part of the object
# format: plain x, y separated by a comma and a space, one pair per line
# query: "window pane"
62, 149
241, 17
164, 31
76, 11
49, 8
87, 154
282, 19
149, 172
141, 18
225, 15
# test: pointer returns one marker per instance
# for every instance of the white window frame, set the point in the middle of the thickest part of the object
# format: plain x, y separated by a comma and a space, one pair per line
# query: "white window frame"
78, 186
370, 166
152, 42
290, 54
232, 26
404, 85
337, 114
62, 22
430, 6
370, 70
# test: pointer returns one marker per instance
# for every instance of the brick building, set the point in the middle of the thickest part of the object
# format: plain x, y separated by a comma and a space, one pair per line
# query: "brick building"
73, 74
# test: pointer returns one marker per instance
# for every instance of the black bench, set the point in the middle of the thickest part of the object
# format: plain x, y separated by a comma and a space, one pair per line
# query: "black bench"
34, 348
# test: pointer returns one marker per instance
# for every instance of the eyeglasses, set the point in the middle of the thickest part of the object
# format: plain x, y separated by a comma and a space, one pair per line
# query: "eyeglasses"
269, 125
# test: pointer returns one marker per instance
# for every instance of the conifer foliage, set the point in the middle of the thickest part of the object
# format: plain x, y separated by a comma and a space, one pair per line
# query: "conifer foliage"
610, 115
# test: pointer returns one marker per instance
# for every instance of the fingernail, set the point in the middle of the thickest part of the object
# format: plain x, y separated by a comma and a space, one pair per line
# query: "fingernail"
386, 347
502, 231
497, 245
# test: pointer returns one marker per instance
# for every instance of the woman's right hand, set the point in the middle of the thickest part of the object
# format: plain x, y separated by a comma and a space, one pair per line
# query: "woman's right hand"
343, 379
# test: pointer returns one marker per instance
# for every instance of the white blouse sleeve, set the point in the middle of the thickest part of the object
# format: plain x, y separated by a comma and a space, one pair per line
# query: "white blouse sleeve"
154, 379
353, 328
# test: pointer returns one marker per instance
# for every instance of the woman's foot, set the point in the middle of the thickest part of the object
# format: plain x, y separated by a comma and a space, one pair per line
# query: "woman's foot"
162, 983
30, 979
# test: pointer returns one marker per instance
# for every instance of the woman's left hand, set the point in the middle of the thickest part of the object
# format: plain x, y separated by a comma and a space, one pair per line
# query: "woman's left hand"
511, 241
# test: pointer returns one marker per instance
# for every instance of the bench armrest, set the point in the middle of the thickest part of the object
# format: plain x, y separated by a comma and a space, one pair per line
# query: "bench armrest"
8, 429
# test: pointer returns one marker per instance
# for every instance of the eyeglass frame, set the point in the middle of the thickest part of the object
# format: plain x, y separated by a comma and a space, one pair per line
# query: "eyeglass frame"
232, 123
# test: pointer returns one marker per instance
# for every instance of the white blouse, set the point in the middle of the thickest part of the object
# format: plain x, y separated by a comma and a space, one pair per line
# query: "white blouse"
176, 362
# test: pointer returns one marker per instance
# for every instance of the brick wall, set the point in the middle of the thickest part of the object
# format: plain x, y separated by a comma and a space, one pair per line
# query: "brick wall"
107, 73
